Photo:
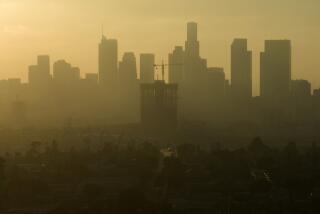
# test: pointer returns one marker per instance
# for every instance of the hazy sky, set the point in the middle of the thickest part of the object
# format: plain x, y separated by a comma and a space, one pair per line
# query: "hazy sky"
71, 29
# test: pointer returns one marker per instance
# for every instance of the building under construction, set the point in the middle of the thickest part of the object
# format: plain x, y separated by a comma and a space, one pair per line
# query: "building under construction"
159, 110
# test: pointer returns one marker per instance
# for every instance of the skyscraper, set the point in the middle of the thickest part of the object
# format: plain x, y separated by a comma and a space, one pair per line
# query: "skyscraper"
64, 73
108, 61
216, 83
128, 68
147, 62
275, 69
39, 75
193, 64
300, 89
176, 61
159, 107
241, 70
192, 43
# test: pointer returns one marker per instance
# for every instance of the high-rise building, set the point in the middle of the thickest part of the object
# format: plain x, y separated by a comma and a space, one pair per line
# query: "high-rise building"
300, 89
64, 73
176, 62
159, 109
241, 70
128, 68
39, 75
147, 62
192, 43
108, 61
216, 82
275, 69
193, 64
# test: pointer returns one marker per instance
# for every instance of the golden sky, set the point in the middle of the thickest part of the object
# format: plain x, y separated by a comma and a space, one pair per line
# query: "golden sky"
71, 30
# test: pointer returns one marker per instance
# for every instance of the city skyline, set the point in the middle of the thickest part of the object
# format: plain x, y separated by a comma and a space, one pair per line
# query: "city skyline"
241, 61
22, 38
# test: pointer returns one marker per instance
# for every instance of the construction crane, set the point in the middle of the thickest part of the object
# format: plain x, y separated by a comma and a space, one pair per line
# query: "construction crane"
163, 66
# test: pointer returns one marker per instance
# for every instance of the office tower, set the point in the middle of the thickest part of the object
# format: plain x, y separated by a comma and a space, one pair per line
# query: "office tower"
192, 43
300, 89
193, 64
64, 73
241, 70
301, 101
216, 82
39, 75
108, 61
128, 68
176, 62
147, 62
159, 110
275, 69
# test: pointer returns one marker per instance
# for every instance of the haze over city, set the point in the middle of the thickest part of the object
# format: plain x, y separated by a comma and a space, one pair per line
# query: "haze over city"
71, 29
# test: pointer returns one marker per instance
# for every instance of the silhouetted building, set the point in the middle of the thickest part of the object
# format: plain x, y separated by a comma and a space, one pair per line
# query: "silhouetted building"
192, 43
216, 83
128, 68
159, 106
301, 101
275, 70
176, 62
39, 75
193, 64
241, 70
300, 88
147, 62
64, 73
108, 61
44, 64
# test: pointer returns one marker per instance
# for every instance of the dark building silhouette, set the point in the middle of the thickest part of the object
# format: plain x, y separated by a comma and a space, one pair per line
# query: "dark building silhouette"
192, 43
176, 62
128, 88
44, 64
216, 82
193, 64
275, 70
300, 88
241, 70
108, 61
39, 75
215, 86
128, 68
275, 83
301, 101
147, 62
64, 73
159, 110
